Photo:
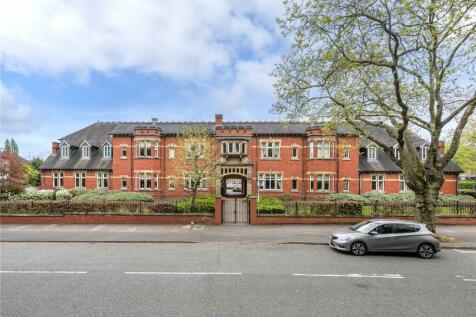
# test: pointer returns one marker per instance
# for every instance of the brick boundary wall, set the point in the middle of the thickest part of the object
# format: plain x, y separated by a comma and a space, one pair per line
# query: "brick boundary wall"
202, 219
107, 219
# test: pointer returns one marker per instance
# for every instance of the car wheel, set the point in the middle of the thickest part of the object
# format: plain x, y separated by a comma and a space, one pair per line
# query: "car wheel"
358, 248
426, 251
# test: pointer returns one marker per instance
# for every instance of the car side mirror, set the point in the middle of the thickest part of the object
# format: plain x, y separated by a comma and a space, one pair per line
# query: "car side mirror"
373, 233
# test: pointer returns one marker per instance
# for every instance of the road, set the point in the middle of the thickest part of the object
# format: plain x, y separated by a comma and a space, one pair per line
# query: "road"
465, 235
229, 279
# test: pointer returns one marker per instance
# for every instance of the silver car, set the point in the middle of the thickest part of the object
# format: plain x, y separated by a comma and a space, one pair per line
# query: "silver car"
387, 236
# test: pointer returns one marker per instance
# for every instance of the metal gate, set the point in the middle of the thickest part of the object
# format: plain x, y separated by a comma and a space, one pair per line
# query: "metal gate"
235, 210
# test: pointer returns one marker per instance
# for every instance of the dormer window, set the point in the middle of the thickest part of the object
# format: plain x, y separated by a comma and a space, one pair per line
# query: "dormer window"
372, 152
424, 153
107, 151
396, 152
64, 151
85, 151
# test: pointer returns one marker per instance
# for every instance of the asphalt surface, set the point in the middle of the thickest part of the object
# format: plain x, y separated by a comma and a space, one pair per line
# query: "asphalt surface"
229, 279
317, 234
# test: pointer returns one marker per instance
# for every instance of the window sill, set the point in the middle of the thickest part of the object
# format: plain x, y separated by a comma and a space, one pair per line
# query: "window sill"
271, 159
322, 159
271, 190
294, 159
123, 157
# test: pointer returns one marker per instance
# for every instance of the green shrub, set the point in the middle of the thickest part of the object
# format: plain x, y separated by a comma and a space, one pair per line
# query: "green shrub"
467, 184
63, 194
203, 203
94, 195
345, 197
370, 197
270, 205
286, 198
450, 198
32, 193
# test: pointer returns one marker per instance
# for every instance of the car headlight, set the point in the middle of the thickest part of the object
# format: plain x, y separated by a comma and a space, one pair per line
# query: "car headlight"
343, 239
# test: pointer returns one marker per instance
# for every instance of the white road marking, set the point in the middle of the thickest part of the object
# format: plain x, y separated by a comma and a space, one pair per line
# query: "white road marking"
469, 279
97, 228
185, 273
396, 276
465, 251
43, 272
17, 228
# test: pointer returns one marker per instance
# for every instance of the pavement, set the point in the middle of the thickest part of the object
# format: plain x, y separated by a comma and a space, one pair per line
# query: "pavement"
280, 234
230, 279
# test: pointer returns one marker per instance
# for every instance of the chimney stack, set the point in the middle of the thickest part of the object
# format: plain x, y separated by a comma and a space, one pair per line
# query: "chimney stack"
218, 119
55, 147
441, 147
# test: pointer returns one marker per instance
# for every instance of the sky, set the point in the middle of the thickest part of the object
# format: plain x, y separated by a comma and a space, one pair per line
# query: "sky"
67, 64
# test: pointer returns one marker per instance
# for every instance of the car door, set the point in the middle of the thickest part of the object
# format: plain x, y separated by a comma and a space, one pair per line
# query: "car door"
383, 239
406, 237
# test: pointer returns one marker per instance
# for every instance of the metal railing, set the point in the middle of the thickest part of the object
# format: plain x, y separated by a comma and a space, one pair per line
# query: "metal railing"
103, 206
364, 209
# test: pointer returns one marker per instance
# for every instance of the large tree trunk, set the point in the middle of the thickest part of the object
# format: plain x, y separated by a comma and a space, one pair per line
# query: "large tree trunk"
426, 202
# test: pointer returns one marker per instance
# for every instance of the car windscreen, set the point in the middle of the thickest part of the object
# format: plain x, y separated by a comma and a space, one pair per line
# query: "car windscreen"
364, 226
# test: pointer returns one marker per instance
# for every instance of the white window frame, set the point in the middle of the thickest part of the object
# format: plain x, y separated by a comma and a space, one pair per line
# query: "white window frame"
107, 151
324, 150
189, 155
156, 150
64, 151
79, 177
146, 145
171, 151
294, 150
187, 182
294, 179
346, 154
372, 149
404, 185
102, 180
156, 181
311, 183
379, 180
346, 185
322, 179
85, 151
270, 149
233, 147
58, 179
171, 183
145, 181
311, 149
123, 149
424, 152
396, 152
269, 178
123, 179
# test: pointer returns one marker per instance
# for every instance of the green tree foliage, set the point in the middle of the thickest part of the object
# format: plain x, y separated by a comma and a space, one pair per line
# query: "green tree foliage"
32, 175
403, 66
8, 147
466, 155
14, 147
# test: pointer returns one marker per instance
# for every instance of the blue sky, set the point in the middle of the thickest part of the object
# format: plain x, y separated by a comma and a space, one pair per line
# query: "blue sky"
65, 65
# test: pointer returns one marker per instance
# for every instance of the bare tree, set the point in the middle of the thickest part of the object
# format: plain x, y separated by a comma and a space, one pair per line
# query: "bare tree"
402, 66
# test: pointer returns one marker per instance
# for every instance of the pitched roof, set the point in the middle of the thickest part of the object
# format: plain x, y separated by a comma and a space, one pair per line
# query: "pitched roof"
98, 133
95, 162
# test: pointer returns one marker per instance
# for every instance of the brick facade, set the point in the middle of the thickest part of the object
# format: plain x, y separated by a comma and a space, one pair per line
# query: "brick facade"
332, 167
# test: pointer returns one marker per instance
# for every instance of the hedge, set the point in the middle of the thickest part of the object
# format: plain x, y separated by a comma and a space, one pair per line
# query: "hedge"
467, 184
89, 195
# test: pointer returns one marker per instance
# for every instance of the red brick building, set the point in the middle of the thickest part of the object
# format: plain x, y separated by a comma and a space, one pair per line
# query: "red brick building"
297, 159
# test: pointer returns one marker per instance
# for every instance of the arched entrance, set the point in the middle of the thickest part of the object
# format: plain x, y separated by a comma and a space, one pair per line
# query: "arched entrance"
233, 186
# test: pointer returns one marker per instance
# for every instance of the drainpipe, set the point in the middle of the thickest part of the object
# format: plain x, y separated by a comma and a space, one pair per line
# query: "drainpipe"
162, 192
132, 163
336, 153
304, 165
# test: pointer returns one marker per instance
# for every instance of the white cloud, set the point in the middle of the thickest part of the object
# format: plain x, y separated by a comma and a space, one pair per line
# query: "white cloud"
250, 93
15, 117
181, 39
